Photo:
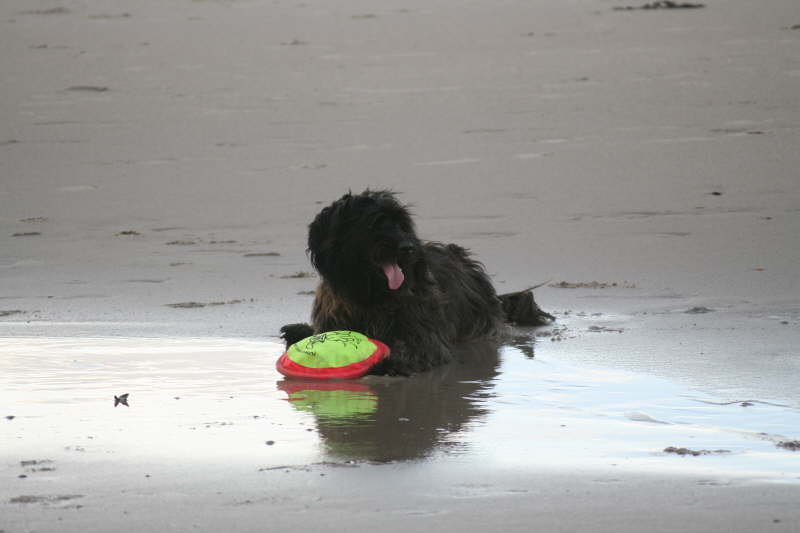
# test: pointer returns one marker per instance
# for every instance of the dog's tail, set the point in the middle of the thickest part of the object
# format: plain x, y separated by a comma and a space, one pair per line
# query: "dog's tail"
520, 308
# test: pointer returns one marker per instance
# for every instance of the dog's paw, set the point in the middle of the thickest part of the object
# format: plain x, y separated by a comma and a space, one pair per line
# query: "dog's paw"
292, 333
392, 368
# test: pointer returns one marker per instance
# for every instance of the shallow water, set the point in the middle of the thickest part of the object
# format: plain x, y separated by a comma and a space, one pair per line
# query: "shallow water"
208, 401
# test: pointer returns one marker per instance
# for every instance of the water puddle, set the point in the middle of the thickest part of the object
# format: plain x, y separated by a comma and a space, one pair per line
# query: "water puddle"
221, 400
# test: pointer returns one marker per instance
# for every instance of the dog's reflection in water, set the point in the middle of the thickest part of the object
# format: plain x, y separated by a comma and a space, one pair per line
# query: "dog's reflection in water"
383, 419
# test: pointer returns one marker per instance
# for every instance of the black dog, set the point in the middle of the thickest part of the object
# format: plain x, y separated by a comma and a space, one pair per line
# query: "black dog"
420, 298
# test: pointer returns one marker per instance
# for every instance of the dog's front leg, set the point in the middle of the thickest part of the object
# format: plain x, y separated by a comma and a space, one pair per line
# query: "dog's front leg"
394, 365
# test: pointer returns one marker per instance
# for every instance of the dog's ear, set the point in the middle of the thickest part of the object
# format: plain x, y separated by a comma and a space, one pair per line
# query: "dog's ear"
320, 242
327, 234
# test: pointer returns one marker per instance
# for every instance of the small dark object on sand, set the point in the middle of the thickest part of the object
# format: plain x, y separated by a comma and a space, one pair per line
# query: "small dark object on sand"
699, 310
88, 88
793, 445
591, 285
10, 417
186, 305
49, 11
694, 453
121, 399
661, 4
262, 254
298, 275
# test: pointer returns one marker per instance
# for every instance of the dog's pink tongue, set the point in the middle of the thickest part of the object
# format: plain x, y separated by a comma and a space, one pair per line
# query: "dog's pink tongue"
394, 274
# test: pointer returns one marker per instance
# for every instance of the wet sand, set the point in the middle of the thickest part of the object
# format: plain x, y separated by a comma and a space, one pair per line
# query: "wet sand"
159, 165
212, 437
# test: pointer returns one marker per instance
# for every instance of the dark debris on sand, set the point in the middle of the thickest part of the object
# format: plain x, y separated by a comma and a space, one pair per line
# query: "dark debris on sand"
661, 4
195, 305
592, 285
186, 305
88, 88
699, 310
121, 399
793, 445
694, 453
45, 499
299, 275
48, 11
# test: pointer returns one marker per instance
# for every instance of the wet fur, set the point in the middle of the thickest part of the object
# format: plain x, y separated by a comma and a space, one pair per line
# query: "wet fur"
446, 298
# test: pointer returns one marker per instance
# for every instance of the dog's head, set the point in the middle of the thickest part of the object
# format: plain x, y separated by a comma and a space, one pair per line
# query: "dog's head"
365, 246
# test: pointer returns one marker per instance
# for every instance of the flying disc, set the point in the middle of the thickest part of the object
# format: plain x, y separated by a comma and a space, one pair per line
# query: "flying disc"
332, 355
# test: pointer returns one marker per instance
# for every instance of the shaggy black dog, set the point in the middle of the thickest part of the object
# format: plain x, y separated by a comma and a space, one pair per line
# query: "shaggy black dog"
419, 298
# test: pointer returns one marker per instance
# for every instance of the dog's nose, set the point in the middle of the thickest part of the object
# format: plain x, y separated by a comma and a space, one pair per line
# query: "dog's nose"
405, 247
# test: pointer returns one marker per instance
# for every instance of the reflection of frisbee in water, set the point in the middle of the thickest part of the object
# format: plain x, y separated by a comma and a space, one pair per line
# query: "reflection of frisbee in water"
332, 355
331, 400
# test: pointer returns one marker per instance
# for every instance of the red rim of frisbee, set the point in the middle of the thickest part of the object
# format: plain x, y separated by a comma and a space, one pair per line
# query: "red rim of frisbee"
293, 370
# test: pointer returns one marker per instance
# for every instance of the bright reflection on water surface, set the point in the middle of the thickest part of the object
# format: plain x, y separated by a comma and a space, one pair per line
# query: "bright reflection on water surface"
221, 400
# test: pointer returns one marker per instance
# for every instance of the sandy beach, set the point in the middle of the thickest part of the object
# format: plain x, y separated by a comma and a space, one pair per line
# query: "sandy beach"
160, 163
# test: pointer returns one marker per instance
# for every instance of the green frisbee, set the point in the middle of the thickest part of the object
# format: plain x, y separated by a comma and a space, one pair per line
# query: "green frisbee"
332, 355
